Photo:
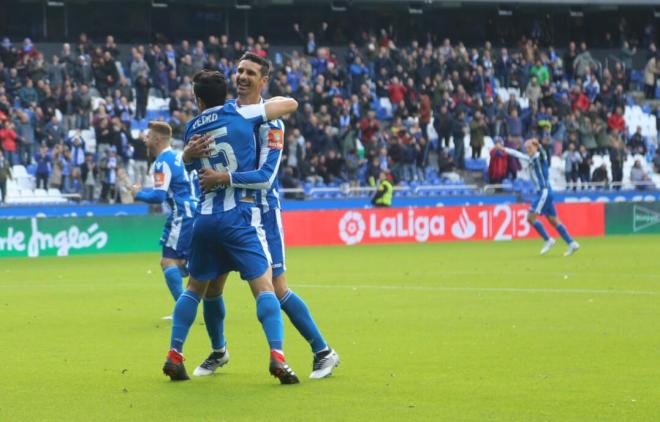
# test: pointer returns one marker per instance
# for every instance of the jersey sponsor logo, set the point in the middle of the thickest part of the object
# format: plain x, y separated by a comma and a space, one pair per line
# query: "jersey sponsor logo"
275, 139
159, 179
205, 119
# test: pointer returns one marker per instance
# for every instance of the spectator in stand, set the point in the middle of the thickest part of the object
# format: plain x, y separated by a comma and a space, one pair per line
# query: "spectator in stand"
141, 93
533, 91
591, 86
572, 160
67, 106
109, 167
478, 131
600, 175
396, 91
43, 160
584, 62
636, 144
584, 166
651, 72
138, 164
601, 135
458, 129
54, 133
616, 121
369, 126
442, 124
335, 165
76, 150
498, 167
638, 176
57, 168
83, 104
310, 170
8, 142
27, 95
288, 181
24, 137
5, 174
89, 176
540, 71
656, 161
580, 100
587, 135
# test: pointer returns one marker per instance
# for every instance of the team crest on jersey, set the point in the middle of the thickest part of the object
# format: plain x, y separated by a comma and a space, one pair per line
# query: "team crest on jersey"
275, 139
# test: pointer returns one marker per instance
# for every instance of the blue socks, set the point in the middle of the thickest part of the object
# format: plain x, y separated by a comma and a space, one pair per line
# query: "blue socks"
185, 311
268, 312
541, 230
214, 319
301, 318
564, 233
174, 281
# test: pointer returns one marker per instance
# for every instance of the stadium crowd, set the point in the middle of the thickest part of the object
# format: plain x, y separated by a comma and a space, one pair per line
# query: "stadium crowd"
367, 108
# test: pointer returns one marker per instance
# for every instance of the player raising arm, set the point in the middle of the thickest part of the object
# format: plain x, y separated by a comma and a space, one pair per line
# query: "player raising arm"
171, 185
544, 202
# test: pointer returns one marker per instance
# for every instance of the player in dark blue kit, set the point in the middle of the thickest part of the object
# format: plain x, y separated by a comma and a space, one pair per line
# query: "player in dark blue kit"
227, 233
544, 202
173, 186
252, 77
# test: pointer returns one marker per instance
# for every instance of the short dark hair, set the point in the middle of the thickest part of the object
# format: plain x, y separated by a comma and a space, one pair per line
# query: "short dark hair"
211, 87
263, 62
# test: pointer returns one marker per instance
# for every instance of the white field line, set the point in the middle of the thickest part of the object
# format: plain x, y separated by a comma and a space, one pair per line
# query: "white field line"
480, 289
495, 274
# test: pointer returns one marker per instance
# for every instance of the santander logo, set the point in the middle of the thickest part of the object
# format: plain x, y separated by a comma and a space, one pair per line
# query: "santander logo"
463, 228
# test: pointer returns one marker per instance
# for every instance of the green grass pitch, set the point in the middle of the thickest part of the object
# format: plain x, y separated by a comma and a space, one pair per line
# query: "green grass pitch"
454, 331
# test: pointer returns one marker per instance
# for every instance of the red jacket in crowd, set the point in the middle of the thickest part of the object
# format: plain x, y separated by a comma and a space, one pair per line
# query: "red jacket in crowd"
581, 103
499, 165
397, 93
369, 128
616, 122
8, 140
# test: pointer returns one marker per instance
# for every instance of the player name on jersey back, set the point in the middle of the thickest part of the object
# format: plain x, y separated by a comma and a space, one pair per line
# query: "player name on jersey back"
234, 149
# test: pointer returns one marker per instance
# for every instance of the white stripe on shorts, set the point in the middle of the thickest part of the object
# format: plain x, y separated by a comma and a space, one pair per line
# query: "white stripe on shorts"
261, 234
539, 206
175, 232
280, 227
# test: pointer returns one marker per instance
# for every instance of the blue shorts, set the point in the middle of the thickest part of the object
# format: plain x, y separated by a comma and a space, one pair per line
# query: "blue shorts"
544, 204
272, 221
233, 240
176, 238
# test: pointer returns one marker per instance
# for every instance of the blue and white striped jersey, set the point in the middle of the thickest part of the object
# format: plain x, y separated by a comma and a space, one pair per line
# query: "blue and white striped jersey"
174, 185
264, 179
235, 150
538, 167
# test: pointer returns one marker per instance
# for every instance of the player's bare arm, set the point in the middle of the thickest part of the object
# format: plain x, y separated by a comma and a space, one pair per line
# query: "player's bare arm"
277, 108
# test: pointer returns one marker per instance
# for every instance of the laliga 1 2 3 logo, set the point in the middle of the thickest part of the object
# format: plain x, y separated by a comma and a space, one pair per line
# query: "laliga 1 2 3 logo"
352, 228
464, 228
